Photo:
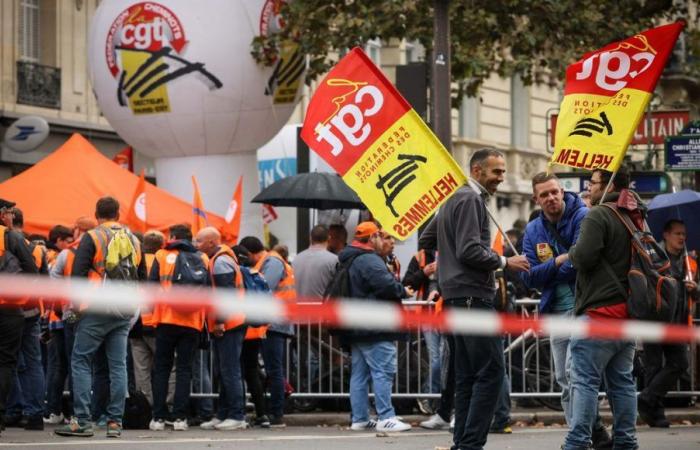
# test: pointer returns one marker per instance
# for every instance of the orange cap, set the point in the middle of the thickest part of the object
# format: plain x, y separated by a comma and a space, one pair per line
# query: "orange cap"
366, 229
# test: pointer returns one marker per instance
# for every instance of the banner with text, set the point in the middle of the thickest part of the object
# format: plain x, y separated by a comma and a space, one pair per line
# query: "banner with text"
364, 129
605, 96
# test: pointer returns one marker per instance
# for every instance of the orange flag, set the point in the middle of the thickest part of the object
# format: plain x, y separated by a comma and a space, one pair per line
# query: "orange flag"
232, 228
498, 243
199, 215
136, 217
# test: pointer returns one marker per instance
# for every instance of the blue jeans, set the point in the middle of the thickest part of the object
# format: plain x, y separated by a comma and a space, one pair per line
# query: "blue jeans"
375, 360
273, 355
433, 339
92, 331
591, 362
100, 384
561, 357
201, 383
184, 340
227, 358
27, 393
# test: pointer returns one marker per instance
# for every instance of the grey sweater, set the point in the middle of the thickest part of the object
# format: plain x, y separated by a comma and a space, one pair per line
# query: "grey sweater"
461, 234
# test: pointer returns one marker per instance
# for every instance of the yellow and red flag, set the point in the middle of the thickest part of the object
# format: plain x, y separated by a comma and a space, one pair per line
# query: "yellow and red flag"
361, 126
199, 219
605, 96
232, 227
136, 217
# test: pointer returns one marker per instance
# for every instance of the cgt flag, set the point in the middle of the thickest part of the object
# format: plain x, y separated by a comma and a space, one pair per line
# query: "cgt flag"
362, 127
605, 96
136, 218
199, 219
232, 227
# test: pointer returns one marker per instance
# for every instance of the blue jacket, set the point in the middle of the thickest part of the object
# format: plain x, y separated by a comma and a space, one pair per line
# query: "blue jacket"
544, 274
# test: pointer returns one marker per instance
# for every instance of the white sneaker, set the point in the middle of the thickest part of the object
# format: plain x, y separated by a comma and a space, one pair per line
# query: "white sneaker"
210, 424
54, 419
452, 424
156, 425
232, 424
392, 424
180, 425
364, 426
435, 423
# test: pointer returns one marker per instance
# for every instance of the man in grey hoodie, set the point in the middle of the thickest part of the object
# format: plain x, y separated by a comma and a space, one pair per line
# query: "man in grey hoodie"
466, 265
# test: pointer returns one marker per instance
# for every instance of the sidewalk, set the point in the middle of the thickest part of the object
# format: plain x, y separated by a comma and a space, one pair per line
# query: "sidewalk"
524, 416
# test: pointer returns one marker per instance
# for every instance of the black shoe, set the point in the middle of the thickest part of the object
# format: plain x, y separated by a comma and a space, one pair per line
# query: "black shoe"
34, 423
660, 423
262, 421
646, 411
277, 422
13, 421
601, 439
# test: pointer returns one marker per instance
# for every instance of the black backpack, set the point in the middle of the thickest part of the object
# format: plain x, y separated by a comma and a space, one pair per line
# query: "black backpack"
137, 411
652, 291
190, 270
339, 286
8, 261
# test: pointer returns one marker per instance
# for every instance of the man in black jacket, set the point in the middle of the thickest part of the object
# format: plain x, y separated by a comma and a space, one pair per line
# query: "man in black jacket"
12, 247
466, 275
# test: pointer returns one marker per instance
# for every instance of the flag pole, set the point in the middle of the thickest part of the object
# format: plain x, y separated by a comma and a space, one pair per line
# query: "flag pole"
607, 188
510, 244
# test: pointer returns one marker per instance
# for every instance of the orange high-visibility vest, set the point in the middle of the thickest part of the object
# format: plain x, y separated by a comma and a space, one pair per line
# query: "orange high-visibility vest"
51, 256
286, 288
165, 314
147, 317
235, 320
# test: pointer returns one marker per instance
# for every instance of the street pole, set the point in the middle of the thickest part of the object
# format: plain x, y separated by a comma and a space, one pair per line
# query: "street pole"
441, 81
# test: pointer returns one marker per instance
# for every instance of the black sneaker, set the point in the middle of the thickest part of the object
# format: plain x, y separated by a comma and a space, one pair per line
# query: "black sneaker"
277, 422
646, 411
13, 421
262, 421
34, 423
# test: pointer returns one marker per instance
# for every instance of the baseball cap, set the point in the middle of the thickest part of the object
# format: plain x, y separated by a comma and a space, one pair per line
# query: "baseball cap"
366, 229
5, 204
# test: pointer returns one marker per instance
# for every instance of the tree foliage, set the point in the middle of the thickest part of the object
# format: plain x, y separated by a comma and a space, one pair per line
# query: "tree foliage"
534, 38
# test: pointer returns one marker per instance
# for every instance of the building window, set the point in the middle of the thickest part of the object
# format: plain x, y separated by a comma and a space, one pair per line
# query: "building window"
29, 30
469, 117
374, 50
520, 113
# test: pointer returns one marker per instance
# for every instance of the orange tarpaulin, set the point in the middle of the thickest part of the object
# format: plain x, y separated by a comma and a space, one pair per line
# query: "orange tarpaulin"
66, 184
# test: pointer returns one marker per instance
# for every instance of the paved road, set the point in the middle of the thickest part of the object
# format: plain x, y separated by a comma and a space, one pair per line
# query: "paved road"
324, 438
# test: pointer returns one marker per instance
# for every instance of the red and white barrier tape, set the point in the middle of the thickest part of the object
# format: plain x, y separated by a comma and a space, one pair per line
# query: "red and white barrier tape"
347, 314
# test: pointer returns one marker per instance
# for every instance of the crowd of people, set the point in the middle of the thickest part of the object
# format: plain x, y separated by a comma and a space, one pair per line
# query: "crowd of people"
576, 255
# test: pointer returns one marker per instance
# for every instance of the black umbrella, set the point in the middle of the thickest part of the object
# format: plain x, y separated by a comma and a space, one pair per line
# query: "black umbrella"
317, 190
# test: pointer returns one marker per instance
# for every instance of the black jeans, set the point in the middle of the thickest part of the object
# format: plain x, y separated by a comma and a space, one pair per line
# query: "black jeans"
11, 326
447, 379
659, 377
251, 373
169, 339
479, 372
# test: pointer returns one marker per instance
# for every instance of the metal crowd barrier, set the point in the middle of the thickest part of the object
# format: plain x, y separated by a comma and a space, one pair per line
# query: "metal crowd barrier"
318, 368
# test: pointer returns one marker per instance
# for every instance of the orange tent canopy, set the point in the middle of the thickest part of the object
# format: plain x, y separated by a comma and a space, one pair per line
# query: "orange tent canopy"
66, 185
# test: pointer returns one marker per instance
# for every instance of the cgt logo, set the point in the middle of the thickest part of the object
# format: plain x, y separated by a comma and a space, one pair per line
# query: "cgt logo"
615, 68
348, 121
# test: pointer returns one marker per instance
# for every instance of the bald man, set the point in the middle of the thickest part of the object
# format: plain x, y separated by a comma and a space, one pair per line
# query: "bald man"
229, 333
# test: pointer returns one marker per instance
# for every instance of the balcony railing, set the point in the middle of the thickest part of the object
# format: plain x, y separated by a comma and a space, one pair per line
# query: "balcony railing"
38, 85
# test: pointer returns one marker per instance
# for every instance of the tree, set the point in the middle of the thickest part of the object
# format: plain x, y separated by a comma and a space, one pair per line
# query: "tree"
536, 39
